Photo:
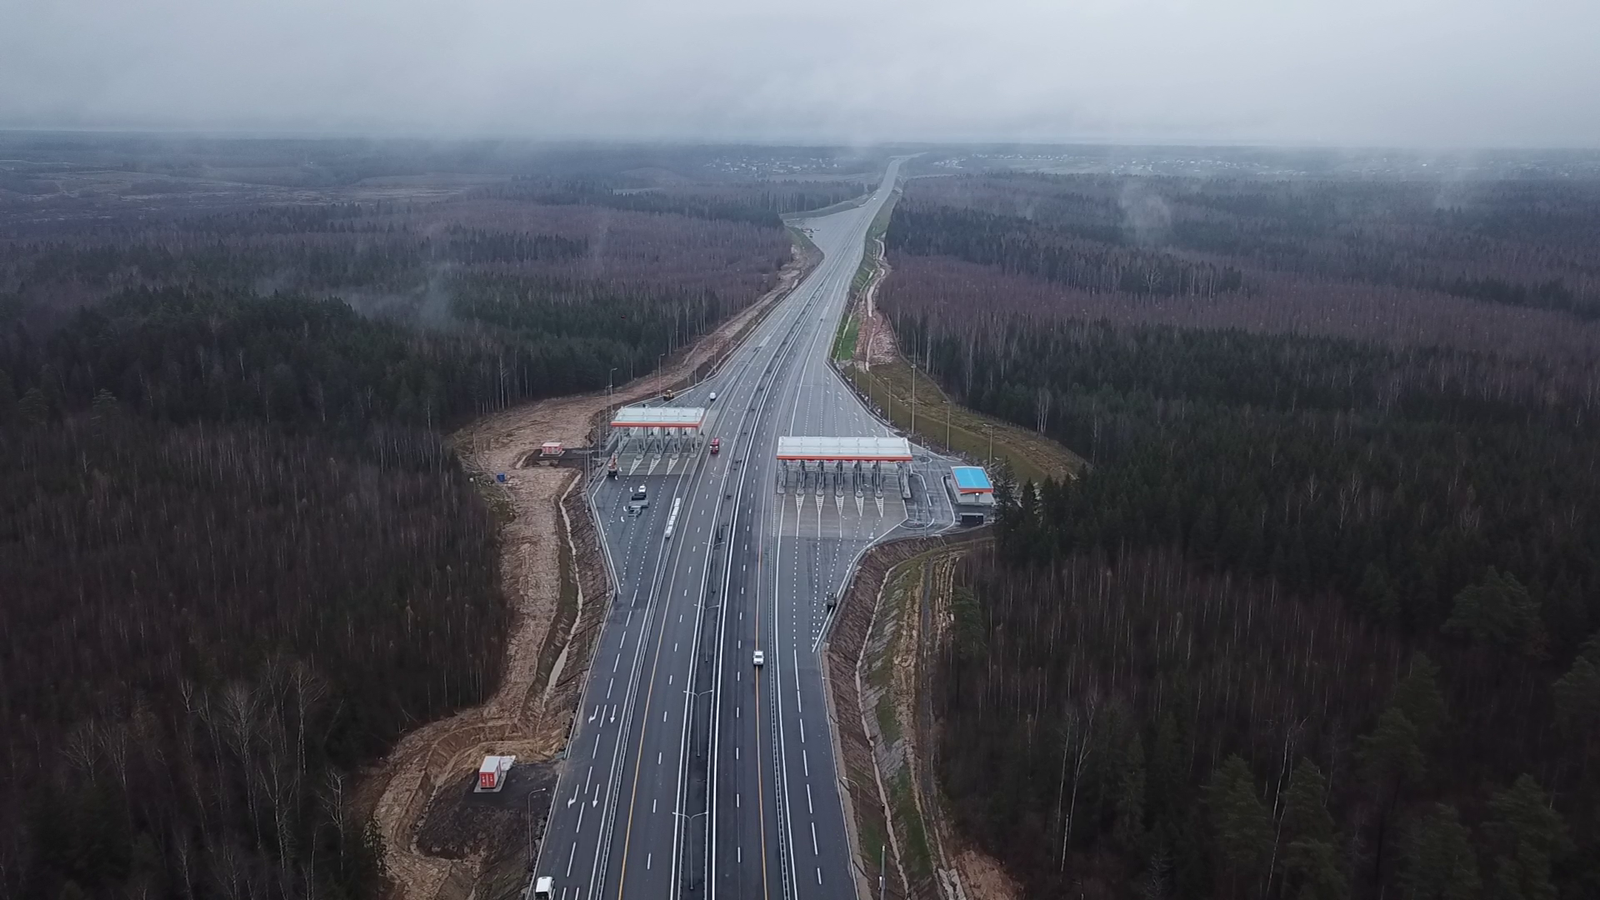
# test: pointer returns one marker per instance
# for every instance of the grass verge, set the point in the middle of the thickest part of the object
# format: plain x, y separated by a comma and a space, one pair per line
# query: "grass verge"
844, 345
869, 255
918, 856
943, 423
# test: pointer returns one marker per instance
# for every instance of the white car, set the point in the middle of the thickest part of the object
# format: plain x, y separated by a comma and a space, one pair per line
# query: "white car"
760, 658
713, 397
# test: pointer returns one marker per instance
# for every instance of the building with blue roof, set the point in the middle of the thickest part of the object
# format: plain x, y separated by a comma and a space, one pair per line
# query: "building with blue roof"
972, 494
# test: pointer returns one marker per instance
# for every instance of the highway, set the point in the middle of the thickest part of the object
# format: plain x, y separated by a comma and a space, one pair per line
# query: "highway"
690, 771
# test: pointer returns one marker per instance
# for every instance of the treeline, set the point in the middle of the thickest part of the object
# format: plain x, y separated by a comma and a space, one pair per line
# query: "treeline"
395, 261
1102, 260
1358, 504
209, 630
1393, 478
1527, 243
1130, 725
314, 363
760, 204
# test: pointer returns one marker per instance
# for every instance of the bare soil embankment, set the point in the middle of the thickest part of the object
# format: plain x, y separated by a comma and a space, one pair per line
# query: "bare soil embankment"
892, 623
554, 575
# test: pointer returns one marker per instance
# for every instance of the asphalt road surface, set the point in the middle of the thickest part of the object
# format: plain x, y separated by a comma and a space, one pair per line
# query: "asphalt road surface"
690, 771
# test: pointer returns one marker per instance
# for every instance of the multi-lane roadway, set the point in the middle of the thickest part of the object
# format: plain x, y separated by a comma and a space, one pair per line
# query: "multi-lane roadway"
692, 772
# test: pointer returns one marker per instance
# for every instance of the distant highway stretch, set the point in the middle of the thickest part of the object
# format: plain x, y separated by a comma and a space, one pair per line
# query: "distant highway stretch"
691, 771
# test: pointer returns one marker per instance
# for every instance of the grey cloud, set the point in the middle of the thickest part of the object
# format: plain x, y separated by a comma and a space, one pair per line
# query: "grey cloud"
1401, 72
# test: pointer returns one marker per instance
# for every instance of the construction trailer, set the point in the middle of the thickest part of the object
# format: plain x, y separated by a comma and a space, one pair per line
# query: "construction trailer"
492, 774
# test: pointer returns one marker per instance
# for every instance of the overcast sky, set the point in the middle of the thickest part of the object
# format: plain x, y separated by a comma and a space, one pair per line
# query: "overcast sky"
1350, 72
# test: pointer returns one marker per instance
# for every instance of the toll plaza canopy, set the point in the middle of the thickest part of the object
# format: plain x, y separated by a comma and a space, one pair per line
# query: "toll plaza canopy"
686, 417
971, 480
846, 449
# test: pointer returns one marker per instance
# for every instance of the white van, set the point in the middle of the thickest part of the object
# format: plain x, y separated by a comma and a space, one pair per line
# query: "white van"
544, 888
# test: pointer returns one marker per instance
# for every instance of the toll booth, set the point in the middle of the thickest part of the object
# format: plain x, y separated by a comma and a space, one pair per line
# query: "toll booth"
858, 465
668, 430
971, 493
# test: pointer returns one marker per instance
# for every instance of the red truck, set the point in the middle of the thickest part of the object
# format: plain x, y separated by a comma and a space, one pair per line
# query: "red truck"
716, 444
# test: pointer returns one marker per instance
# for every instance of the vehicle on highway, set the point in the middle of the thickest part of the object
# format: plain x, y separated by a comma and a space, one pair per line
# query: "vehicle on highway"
612, 468
712, 398
635, 507
760, 658
544, 888
638, 493
716, 445
669, 394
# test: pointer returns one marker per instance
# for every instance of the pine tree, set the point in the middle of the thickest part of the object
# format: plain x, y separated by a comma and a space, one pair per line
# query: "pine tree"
1128, 793
1311, 863
1315, 870
1391, 759
1417, 695
1439, 862
1498, 611
8, 399
1240, 821
1527, 835
33, 408
1305, 813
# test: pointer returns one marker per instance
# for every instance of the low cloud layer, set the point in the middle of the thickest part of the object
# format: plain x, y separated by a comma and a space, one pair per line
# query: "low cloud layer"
1350, 72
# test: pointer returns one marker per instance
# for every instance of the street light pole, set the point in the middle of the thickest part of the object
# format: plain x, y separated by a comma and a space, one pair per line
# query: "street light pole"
531, 794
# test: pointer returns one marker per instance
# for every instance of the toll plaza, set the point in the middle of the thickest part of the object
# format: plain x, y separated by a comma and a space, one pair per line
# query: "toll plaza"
856, 465
647, 436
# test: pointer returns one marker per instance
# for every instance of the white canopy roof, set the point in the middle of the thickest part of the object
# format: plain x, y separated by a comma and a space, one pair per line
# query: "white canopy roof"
659, 417
848, 449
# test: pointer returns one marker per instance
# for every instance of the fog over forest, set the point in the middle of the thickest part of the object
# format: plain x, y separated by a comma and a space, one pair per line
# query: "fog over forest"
1423, 73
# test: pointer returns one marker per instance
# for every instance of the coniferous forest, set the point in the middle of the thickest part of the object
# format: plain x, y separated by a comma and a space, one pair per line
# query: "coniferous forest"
1321, 618
238, 559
